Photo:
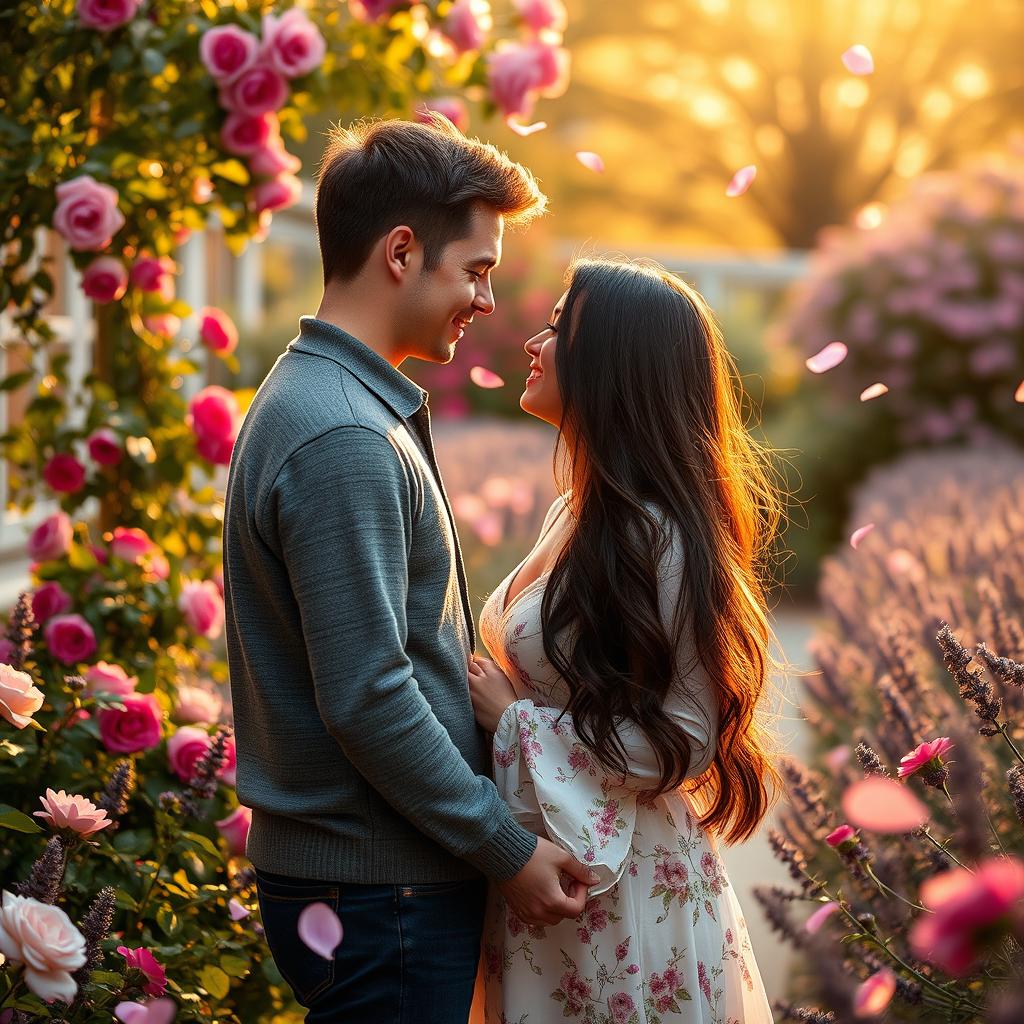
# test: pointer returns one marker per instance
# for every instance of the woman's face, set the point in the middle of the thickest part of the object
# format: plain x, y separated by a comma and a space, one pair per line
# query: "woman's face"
542, 397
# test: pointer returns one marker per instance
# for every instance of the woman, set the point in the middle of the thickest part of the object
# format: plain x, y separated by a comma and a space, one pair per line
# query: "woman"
632, 647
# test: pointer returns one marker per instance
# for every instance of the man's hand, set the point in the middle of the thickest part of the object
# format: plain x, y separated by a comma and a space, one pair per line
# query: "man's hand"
536, 894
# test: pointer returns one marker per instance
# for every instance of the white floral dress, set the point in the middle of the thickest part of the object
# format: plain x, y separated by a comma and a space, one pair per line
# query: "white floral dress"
662, 939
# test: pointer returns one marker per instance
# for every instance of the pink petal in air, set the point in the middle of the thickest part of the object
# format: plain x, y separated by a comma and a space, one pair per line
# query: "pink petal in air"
1018, 395
591, 161
741, 181
525, 129
828, 358
883, 805
820, 916
320, 929
237, 911
484, 378
859, 534
874, 994
858, 60
874, 391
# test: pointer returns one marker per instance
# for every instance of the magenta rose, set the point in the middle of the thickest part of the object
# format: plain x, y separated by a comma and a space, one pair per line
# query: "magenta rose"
70, 638
448, 106
278, 193
64, 473
87, 214
273, 159
130, 544
466, 25
151, 273
292, 44
543, 14
136, 728
202, 607
51, 539
235, 829
142, 960
243, 135
106, 15
227, 51
184, 748
49, 600
213, 417
229, 771
105, 447
216, 450
260, 90
106, 678
217, 330
105, 279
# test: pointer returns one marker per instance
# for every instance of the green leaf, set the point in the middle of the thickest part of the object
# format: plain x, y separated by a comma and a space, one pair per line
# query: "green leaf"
215, 981
235, 966
9, 749
168, 921
16, 821
16, 380
126, 900
108, 978
204, 844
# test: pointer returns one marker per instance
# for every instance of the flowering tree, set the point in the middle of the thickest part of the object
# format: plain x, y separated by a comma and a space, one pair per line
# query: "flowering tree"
132, 124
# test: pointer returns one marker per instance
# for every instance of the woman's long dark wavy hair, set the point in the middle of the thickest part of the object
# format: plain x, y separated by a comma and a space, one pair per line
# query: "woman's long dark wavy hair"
651, 414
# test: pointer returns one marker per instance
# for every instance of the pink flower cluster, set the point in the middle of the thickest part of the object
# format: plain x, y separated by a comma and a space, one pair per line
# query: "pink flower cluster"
213, 415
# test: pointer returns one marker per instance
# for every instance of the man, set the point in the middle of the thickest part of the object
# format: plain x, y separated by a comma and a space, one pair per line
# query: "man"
348, 621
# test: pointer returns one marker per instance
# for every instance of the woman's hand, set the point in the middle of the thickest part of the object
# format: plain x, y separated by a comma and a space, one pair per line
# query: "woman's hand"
490, 691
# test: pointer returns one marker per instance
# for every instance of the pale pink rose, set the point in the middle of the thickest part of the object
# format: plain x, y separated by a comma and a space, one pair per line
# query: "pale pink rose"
277, 194
292, 44
519, 73
921, 755
51, 539
64, 473
260, 90
106, 15
48, 600
136, 728
466, 24
157, 565
235, 829
841, 835
150, 273
244, 135
105, 279
194, 704
70, 639
543, 14
130, 544
213, 412
217, 330
104, 677
105, 447
203, 607
166, 325
43, 939
374, 10
227, 51
153, 1011
553, 62
184, 748
20, 699
87, 214
75, 812
448, 106
273, 159
143, 960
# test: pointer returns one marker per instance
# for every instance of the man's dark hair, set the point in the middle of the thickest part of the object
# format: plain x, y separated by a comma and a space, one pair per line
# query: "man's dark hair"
378, 174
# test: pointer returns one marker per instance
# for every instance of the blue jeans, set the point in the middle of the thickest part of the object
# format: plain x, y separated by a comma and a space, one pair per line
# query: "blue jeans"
408, 956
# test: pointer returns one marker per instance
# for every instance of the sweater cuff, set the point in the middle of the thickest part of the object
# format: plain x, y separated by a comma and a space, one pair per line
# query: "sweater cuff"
506, 853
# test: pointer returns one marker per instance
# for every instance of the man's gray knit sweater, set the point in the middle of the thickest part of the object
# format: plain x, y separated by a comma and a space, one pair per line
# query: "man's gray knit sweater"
349, 631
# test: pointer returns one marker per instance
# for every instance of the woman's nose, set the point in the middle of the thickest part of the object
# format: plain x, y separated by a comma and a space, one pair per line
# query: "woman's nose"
533, 345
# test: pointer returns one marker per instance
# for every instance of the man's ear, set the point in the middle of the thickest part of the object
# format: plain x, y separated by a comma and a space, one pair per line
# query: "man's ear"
400, 247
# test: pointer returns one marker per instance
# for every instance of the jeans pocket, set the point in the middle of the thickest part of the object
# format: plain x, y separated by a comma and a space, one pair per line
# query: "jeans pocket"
281, 903
471, 886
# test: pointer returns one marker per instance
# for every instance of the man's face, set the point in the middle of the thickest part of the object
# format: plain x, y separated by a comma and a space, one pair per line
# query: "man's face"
443, 302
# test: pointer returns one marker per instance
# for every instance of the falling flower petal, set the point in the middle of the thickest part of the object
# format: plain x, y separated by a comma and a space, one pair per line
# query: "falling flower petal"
741, 181
879, 804
237, 911
525, 129
320, 929
484, 378
859, 534
830, 356
1018, 395
820, 916
858, 60
874, 391
591, 161
874, 994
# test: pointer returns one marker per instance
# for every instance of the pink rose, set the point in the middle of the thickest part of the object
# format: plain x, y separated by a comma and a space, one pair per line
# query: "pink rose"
467, 24
136, 728
235, 829
50, 599
157, 565
87, 214
130, 544
64, 473
42, 938
70, 639
105, 15
921, 755
184, 748
260, 90
277, 194
142, 960
154, 274
216, 449
374, 10
227, 51
194, 704
74, 812
106, 678
519, 73
543, 14
105, 447
213, 413
839, 837
166, 325
51, 539
292, 44
20, 699
105, 279
203, 607
273, 159
243, 135
448, 106
229, 771
217, 330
